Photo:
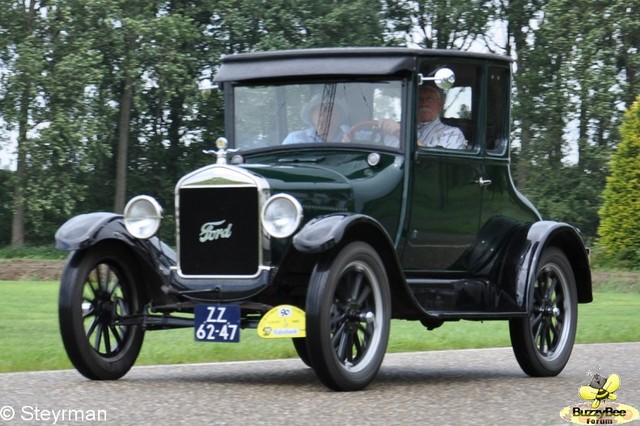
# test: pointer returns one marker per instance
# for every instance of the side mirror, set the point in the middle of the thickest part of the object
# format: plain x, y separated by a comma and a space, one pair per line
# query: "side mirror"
444, 78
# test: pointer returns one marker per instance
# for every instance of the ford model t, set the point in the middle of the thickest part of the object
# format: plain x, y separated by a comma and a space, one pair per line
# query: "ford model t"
353, 186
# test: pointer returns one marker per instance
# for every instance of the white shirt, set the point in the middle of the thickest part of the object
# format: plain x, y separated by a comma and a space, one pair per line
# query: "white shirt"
438, 134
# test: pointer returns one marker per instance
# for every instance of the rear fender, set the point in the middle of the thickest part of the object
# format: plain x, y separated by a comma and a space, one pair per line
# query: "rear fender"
545, 234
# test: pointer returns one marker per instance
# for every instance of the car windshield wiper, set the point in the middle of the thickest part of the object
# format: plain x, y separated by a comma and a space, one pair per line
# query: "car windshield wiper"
301, 160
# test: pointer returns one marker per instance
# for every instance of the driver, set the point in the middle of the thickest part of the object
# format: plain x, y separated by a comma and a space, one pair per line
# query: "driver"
326, 122
431, 131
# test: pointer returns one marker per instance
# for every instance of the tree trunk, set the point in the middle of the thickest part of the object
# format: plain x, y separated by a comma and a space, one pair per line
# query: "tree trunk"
17, 222
126, 103
123, 145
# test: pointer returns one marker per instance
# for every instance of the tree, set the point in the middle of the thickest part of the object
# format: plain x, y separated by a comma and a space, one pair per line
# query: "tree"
246, 25
5, 207
81, 78
129, 27
66, 144
48, 99
22, 52
619, 237
544, 108
441, 24
569, 85
172, 120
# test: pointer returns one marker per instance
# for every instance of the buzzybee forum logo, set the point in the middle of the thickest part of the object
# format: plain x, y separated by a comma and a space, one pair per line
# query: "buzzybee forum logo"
600, 408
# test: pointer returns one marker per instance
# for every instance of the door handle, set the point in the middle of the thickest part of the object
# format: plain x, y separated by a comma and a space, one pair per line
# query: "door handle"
483, 182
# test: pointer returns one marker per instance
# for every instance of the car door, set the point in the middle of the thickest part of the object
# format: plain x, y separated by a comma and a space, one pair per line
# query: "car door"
446, 207
445, 204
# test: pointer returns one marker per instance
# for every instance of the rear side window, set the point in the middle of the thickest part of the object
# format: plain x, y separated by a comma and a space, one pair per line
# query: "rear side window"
497, 133
458, 103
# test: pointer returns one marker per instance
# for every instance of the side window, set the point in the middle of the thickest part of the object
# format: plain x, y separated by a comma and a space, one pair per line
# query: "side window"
446, 118
497, 136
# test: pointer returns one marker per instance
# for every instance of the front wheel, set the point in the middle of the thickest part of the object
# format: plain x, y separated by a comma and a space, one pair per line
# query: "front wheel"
543, 341
300, 345
348, 309
98, 288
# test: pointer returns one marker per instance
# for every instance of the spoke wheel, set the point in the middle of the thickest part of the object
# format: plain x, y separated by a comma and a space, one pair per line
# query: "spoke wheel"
543, 341
348, 317
97, 290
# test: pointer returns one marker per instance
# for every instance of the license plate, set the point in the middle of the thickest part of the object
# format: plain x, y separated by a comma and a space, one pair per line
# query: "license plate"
217, 323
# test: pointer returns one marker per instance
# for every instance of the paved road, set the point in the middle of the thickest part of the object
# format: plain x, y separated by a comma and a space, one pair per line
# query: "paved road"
444, 388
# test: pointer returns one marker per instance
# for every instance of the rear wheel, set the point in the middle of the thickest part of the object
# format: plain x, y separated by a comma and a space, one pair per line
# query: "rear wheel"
543, 341
98, 288
348, 310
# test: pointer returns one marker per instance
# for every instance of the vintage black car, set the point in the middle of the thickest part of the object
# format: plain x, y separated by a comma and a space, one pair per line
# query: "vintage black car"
325, 214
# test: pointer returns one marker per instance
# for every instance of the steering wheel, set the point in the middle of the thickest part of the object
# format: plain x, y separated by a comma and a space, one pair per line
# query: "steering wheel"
367, 131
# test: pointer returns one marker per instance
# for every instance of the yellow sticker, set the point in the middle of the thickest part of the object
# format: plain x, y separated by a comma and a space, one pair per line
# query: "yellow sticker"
284, 321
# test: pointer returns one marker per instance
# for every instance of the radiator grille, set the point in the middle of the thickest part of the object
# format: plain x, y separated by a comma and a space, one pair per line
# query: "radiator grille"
219, 231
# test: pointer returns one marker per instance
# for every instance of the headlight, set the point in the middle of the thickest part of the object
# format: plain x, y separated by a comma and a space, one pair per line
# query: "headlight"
281, 215
142, 216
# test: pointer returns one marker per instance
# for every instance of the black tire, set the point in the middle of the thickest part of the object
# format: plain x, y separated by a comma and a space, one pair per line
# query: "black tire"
300, 345
543, 341
348, 311
98, 286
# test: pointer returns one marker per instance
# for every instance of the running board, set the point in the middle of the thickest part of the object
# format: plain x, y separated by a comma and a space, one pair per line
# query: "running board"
463, 298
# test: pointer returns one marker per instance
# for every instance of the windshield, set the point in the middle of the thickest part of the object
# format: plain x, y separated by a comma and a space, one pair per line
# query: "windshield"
345, 112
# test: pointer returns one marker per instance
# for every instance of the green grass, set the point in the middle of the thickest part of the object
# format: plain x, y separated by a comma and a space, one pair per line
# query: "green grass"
30, 338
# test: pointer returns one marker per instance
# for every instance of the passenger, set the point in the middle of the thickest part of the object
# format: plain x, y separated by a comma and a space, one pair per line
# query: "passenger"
325, 118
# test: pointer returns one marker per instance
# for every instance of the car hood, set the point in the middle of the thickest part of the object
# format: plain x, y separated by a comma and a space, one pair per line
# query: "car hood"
320, 190
342, 183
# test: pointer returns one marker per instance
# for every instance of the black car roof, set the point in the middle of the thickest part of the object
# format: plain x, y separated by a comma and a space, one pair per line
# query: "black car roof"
334, 61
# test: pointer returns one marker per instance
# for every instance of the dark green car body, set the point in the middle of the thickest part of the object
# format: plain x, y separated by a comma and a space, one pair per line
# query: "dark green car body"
446, 229
449, 233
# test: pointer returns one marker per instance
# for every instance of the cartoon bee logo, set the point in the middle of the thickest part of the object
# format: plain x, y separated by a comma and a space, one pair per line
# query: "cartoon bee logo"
600, 389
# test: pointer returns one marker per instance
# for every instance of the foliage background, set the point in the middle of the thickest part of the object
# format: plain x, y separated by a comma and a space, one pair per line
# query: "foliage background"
619, 226
104, 97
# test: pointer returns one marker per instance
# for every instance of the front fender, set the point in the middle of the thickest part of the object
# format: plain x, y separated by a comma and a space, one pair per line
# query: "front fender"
86, 230
545, 234
83, 231
325, 232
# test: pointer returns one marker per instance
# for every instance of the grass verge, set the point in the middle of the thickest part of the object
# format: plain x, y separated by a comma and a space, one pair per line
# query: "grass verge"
30, 337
